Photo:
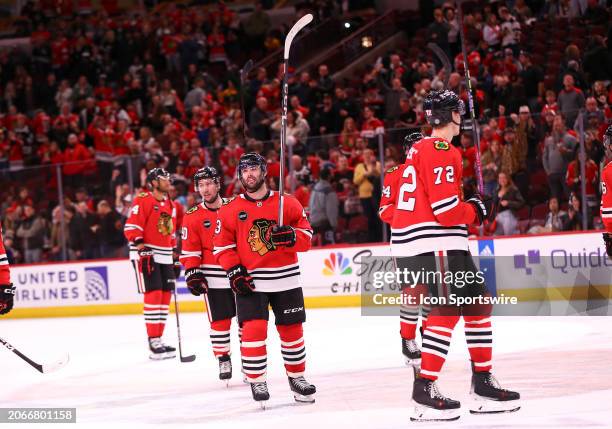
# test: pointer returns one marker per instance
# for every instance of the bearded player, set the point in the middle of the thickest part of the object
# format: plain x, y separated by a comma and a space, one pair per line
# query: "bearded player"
150, 230
409, 314
606, 192
203, 275
260, 258
429, 233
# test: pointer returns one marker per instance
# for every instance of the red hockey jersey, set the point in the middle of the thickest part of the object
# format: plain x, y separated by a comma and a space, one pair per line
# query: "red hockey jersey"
197, 235
388, 196
5, 273
154, 222
242, 236
429, 213
606, 197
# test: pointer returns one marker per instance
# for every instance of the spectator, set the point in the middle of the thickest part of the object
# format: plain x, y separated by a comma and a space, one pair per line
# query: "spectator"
492, 33
367, 179
260, 120
574, 215
558, 148
570, 100
75, 157
491, 166
57, 235
82, 231
196, 95
509, 200
510, 30
593, 114
437, 31
393, 95
297, 131
109, 230
574, 184
323, 206
325, 84
532, 79
556, 220
31, 235
256, 26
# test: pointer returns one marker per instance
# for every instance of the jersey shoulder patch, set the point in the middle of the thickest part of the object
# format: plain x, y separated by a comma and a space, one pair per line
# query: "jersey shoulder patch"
441, 145
392, 169
193, 209
226, 201
142, 194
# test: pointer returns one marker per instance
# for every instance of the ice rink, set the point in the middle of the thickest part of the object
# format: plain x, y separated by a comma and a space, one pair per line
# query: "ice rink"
560, 365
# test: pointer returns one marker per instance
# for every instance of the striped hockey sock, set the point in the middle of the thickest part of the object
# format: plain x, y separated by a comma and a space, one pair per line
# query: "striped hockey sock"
253, 350
292, 348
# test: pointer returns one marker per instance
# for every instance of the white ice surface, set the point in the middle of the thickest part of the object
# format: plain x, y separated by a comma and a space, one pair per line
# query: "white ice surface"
562, 366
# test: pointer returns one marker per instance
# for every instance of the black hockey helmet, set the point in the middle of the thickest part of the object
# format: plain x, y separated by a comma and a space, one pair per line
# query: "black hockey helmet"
156, 174
439, 106
607, 141
206, 173
252, 159
411, 139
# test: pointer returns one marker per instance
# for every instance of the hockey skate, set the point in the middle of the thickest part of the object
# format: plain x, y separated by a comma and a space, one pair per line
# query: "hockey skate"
411, 352
302, 390
489, 398
430, 404
260, 393
225, 369
159, 350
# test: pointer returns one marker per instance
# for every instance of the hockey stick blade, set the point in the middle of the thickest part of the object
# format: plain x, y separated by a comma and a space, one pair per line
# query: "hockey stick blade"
246, 69
189, 358
297, 27
443, 59
56, 365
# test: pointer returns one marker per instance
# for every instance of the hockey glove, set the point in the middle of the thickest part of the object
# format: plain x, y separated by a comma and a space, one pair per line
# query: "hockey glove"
145, 260
196, 281
283, 236
7, 293
486, 208
240, 280
608, 241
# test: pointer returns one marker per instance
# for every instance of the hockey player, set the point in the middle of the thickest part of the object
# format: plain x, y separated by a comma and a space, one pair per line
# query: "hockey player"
261, 262
150, 230
606, 192
7, 290
409, 314
203, 275
429, 233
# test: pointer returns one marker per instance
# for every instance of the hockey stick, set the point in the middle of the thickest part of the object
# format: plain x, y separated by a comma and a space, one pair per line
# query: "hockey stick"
468, 82
443, 59
189, 358
244, 74
43, 368
297, 27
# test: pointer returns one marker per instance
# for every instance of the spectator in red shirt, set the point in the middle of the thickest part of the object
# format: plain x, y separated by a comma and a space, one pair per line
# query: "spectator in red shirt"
229, 157
75, 156
371, 124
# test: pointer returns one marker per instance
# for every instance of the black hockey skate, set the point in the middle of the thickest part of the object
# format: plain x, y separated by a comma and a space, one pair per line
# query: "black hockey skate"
225, 369
430, 404
302, 390
411, 352
260, 393
489, 397
159, 350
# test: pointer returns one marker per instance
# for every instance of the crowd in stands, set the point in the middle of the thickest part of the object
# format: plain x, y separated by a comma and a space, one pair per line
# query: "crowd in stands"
107, 97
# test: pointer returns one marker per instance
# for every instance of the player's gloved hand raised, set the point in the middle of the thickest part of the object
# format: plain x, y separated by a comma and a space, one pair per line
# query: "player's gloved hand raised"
486, 209
283, 236
196, 281
240, 280
608, 241
7, 294
145, 260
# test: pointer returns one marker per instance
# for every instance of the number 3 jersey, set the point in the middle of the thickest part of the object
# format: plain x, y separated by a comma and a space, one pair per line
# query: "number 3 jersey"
429, 212
152, 222
197, 235
242, 236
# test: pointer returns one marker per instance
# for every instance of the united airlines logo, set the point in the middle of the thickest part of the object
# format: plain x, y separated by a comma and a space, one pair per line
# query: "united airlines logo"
337, 264
524, 261
96, 283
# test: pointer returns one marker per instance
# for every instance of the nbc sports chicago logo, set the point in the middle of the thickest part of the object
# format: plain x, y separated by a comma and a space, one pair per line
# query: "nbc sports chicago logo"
337, 264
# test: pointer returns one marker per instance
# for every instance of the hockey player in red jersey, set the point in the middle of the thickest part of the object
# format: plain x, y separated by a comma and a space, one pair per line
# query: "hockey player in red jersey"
203, 275
606, 192
409, 314
7, 290
150, 230
429, 233
260, 258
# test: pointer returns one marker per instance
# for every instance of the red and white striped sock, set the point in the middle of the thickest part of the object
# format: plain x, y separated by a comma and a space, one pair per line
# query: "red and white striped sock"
253, 349
293, 349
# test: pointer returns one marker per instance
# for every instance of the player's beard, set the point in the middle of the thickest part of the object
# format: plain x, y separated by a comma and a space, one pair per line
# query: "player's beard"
254, 188
211, 200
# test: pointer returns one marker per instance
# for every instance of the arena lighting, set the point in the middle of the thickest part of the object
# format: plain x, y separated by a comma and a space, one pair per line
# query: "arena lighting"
367, 42
347, 25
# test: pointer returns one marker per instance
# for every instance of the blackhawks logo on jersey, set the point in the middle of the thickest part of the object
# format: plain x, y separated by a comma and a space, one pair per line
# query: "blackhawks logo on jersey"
259, 236
164, 224
441, 145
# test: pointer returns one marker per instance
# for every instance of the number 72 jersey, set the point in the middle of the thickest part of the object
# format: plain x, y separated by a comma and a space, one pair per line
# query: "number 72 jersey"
430, 214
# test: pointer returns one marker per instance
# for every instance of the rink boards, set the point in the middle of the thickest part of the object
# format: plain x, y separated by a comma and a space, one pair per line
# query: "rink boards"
331, 277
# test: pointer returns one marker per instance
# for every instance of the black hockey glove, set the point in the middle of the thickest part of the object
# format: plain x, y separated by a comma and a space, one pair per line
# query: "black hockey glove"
196, 281
176, 265
7, 293
240, 280
283, 236
608, 241
486, 209
145, 260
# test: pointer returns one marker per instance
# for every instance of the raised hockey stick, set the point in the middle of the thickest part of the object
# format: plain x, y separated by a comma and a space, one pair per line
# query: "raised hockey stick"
189, 358
443, 59
44, 368
297, 27
244, 74
468, 83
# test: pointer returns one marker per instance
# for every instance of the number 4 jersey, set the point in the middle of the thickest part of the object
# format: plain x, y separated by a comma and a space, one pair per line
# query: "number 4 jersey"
429, 213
